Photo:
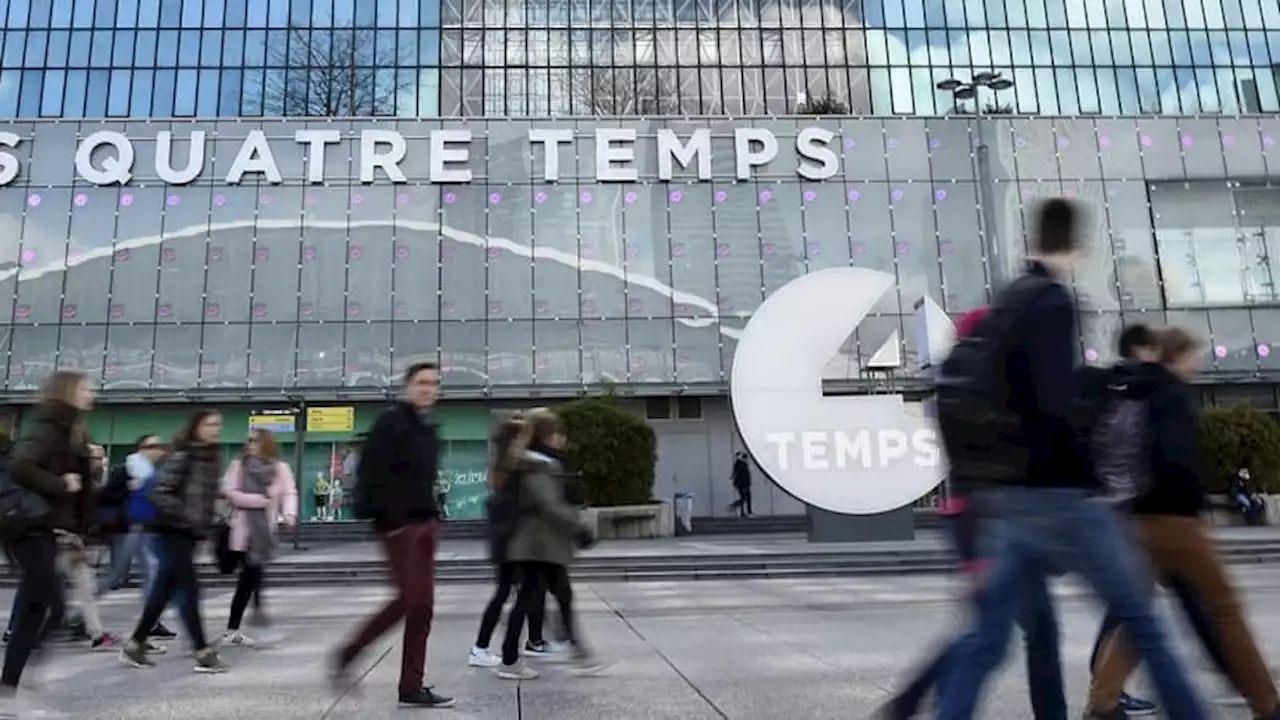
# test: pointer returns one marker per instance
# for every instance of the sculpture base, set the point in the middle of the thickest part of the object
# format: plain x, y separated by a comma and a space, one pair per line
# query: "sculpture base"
894, 525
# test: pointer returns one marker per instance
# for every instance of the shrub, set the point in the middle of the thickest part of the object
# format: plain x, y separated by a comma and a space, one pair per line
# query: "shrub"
614, 451
1236, 436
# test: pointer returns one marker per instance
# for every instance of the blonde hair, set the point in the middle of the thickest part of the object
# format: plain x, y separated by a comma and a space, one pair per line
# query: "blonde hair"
1176, 343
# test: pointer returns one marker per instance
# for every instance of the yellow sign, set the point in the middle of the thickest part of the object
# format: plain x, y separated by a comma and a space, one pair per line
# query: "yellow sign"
275, 422
331, 419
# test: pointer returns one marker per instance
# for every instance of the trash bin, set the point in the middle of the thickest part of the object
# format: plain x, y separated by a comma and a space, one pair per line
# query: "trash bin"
684, 513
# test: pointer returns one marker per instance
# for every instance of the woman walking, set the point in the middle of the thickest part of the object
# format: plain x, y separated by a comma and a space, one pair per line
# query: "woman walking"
185, 495
544, 541
51, 466
262, 492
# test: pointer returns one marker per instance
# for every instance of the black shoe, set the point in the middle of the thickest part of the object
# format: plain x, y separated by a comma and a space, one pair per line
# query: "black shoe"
7, 637
538, 649
426, 697
340, 672
162, 632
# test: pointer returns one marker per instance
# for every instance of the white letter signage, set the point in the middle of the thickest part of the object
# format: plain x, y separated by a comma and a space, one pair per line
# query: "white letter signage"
442, 155
116, 168
254, 157
164, 161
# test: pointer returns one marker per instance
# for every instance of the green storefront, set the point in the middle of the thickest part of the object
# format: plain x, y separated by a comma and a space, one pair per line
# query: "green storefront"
464, 433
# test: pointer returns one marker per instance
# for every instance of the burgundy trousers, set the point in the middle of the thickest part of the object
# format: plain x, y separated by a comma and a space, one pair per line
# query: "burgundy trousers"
411, 554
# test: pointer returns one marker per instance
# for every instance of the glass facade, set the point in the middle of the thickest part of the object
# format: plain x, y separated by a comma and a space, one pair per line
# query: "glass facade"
422, 58
515, 283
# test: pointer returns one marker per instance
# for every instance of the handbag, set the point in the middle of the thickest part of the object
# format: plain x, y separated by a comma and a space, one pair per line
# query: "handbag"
21, 508
228, 560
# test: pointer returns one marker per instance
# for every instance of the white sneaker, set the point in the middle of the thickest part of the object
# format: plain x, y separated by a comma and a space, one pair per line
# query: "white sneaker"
235, 637
584, 664
483, 658
519, 671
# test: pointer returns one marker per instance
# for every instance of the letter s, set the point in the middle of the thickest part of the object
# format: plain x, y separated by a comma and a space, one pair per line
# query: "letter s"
9, 165
925, 442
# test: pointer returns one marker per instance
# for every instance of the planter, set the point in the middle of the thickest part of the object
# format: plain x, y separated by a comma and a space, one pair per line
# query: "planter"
652, 520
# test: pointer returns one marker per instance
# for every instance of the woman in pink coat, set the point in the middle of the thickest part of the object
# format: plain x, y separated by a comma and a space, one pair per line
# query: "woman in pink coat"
262, 493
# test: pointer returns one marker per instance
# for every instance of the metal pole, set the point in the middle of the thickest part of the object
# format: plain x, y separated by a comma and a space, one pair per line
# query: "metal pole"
299, 444
997, 267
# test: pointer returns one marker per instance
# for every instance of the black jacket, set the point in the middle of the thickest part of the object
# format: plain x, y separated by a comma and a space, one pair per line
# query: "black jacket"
399, 463
1179, 467
44, 455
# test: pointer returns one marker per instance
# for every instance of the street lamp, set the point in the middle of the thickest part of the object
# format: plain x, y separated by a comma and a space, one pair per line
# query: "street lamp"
961, 90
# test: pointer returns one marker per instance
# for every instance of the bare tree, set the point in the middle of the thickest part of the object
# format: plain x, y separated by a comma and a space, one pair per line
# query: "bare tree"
600, 91
825, 105
339, 72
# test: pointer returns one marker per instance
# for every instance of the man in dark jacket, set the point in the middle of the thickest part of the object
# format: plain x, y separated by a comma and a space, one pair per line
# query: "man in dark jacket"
395, 488
741, 475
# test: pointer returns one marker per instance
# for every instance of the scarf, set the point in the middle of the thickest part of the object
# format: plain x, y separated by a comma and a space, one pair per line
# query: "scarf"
256, 477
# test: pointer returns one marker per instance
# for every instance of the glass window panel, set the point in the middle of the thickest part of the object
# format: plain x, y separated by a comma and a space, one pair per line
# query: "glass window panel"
697, 352
177, 356
230, 251
370, 250
558, 360
604, 353
555, 272
959, 244
1258, 215
601, 248
128, 359
692, 248
870, 239
510, 352
44, 256
33, 356
271, 350
224, 355
647, 249
11, 206
781, 235
88, 280
368, 360
413, 342
1232, 341
650, 351
324, 255
1099, 332
1202, 148
1266, 325
320, 354
826, 234
462, 359
508, 256
1129, 220
1200, 256
915, 242
416, 276
737, 249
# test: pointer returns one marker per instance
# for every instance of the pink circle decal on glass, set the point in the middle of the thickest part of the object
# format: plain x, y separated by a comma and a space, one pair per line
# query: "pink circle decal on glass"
542, 306
1091, 355
1105, 141
588, 252
946, 247
721, 196
1228, 141
769, 249
633, 305
723, 250
448, 252
902, 248
34, 200
584, 196
1027, 194
676, 196
765, 196
630, 197
165, 310
23, 312
813, 249
495, 253
402, 252
810, 196
539, 197
633, 250
29, 256
677, 250
126, 199
357, 199
1063, 141
353, 309
939, 195
495, 198
1264, 350
356, 252
935, 143
1147, 141
450, 198
308, 252
69, 311
854, 196
122, 254
401, 309
1268, 141
173, 200
893, 143
1188, 141
896, 195
259, 309
80, 199
402, 198
262, 254
1019, 142
219, 200
212, 311
859, 248
264, 199
849, 143
215, 253
588, 307
1220, 350
117, 310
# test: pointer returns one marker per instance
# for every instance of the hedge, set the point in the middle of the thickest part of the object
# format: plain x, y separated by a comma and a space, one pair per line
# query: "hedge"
1236, 436
613, 450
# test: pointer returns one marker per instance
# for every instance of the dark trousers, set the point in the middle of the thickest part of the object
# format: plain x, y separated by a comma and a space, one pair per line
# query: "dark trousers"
1193, 609
743, 503
536, 576
177, 580
411, 554
508, 579
43, 604
248, 586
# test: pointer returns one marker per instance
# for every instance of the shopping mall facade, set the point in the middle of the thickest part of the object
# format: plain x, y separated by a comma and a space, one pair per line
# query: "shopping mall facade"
558, 198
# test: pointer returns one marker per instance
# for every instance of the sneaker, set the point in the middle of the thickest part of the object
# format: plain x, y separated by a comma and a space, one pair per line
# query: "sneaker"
104, 643
1136, 707
7, 636
162, 632
235, 637
518, 671
77, 634
483, 658
208, 661
135, 654
588, 664
426, 697
539, 649
151, 648
1115, 713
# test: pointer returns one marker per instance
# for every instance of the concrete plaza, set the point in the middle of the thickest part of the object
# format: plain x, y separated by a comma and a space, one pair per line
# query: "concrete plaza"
746, 650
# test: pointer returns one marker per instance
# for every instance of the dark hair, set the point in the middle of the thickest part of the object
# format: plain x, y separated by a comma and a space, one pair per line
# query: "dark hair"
142, 440
1056, 227
418, 367
187, 435
60, 389
503, 440
1134, 337
1176, 343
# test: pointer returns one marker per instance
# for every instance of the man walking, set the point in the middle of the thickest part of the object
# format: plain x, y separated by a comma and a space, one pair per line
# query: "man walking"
741, 475
395, 488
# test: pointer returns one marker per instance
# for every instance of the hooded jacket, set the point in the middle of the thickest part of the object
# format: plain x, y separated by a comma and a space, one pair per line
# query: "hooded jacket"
549, 529
48, 452
1179, 467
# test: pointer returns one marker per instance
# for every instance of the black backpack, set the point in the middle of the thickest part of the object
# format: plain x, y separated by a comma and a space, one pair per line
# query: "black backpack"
22, 509
984, 438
